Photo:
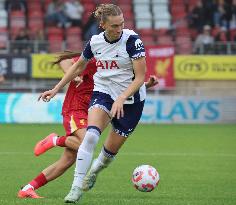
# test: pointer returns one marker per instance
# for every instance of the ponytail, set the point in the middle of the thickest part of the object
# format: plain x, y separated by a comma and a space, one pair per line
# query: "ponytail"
65, 55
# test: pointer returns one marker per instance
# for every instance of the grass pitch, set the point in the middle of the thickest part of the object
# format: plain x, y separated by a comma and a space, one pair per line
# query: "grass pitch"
197, 166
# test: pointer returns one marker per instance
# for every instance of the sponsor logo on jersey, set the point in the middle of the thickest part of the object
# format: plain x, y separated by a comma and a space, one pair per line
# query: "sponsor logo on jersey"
107, 65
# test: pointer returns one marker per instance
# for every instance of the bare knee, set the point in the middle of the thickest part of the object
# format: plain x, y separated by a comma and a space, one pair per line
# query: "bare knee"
79, 134
72, 142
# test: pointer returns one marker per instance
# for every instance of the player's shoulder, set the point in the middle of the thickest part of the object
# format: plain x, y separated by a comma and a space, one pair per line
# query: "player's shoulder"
131, 36
97, 37
129, 32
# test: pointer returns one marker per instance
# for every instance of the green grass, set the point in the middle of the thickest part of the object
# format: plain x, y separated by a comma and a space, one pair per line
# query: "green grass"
197, 166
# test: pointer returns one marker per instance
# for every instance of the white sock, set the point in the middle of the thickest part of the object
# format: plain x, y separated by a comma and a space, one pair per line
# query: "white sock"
81, 167
28, 186
85, 155
104, 159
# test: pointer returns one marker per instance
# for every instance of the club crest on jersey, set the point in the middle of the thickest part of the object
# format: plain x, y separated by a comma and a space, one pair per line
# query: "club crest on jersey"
107, 65
139, 44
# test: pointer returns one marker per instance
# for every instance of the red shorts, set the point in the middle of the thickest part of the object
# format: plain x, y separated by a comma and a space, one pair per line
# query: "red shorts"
74, 120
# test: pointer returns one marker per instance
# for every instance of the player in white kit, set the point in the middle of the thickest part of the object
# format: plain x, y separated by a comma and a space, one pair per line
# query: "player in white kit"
118, 95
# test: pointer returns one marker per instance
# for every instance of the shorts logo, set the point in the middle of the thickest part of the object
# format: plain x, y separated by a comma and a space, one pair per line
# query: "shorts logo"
82, 122
139, 45
94, 101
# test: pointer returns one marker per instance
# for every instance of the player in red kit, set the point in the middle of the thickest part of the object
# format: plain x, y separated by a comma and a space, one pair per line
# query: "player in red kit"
75, 106
75, 112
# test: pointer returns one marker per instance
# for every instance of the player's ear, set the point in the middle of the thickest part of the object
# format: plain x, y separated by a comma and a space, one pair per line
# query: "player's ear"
102, 25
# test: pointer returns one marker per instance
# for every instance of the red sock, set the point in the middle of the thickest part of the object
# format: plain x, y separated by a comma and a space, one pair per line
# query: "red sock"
38, 181
61, 141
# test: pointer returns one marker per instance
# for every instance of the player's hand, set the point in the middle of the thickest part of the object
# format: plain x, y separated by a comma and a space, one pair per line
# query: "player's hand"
78, 80
48, 95
152, 81
117, 107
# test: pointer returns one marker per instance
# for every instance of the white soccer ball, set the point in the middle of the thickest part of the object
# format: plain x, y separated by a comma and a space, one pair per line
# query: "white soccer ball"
145, 178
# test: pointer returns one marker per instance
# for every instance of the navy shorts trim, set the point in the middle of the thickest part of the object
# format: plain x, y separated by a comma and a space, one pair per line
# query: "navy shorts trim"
132, 113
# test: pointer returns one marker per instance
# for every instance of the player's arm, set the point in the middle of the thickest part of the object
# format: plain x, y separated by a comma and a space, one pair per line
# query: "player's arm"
74, 70
139, 66
65, 65
136, 51
152, 81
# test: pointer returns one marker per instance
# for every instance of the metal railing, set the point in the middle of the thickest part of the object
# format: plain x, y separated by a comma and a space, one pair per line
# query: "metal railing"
27, 47
217, 48
37, 85
24, 47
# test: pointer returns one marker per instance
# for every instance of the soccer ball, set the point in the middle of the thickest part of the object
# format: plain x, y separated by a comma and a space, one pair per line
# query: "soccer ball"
145, 178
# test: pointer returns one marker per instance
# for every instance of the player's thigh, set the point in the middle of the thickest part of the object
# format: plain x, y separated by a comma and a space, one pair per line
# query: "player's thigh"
73, 142
79, 134
114, 141
98, 117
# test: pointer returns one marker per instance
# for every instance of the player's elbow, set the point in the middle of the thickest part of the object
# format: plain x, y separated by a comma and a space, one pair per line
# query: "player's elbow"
140, 75
140, 70
140, 79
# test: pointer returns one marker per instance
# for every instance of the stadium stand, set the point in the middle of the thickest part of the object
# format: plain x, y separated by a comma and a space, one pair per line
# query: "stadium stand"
73, 35
158, 22
174, 16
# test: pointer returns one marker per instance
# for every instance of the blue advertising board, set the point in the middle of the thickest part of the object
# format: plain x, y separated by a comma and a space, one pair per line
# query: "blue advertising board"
24, 108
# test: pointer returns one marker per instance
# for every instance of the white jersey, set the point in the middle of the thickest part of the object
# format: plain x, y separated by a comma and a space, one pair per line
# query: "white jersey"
114, 63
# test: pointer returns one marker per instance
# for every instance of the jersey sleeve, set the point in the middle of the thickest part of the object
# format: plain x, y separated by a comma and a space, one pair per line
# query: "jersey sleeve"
87, 53
135, 47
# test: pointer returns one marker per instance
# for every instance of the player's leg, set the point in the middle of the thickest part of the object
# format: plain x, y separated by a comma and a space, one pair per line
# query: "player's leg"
50, 173
56, 169
73, 122
113, 143
122, 128
54, 140
98, 119
59, 167
67, 159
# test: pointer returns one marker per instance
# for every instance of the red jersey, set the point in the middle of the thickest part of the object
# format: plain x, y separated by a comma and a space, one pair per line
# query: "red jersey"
78, 98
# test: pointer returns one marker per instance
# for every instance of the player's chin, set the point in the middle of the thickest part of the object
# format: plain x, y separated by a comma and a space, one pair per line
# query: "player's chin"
117, 35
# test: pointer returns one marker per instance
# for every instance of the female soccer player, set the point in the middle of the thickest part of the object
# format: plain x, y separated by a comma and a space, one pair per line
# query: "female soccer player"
75, 113
118, 94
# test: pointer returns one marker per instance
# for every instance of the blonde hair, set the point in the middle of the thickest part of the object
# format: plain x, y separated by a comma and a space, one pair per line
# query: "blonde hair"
104, 10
